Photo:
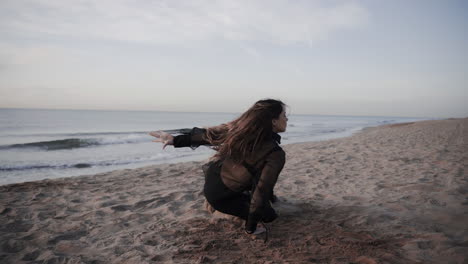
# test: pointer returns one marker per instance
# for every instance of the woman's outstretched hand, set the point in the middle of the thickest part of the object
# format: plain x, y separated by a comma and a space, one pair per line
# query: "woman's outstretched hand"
163, 137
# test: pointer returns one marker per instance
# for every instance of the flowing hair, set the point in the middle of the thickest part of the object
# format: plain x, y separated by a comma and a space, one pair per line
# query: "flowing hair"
240, 137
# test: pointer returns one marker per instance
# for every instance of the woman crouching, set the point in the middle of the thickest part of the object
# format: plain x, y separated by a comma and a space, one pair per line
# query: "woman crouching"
241, 176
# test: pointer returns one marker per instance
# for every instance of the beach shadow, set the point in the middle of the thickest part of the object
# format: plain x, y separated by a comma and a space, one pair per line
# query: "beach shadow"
300, 235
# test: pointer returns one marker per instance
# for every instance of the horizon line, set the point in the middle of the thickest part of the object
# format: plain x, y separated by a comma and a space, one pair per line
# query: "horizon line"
203, 112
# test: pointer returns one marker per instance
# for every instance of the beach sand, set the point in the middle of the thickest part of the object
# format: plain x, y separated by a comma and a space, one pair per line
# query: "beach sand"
389, 194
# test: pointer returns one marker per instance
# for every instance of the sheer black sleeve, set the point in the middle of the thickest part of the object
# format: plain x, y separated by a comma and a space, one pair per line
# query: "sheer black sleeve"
260, 208
193, 139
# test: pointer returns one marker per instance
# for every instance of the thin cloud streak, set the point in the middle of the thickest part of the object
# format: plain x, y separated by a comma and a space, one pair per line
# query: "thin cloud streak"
179, 22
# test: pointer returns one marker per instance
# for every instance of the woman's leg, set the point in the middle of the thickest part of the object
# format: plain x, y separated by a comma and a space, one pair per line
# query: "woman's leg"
223, 199
237, 205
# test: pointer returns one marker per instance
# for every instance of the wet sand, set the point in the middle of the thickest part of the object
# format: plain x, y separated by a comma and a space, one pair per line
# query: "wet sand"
389, 194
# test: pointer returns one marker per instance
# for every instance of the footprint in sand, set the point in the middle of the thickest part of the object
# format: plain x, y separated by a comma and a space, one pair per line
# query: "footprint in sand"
144, 203
109, 203
73, 235
16, 227
5, 211
46, 215
425, 245
13, 246
121, 208
319, 196
31, 256
350, 198
99, 214
407, 197
372, 220
39, 196
437, 202
424, 180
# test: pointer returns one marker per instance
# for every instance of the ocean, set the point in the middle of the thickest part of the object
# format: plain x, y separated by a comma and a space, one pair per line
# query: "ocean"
37, 144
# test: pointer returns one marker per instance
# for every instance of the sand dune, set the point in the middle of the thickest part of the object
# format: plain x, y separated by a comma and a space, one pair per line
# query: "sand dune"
389, 194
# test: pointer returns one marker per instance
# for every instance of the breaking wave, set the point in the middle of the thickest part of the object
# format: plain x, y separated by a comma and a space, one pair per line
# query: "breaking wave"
83, 140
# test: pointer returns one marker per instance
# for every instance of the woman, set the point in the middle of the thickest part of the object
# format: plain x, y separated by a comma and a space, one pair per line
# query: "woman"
240, 179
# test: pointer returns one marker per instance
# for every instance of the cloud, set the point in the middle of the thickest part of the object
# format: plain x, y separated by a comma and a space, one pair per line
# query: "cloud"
177, 22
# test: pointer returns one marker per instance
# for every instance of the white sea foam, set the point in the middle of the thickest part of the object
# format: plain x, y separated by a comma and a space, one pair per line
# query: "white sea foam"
38, 144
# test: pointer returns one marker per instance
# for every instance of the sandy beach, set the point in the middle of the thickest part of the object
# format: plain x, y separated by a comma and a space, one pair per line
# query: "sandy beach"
390, 194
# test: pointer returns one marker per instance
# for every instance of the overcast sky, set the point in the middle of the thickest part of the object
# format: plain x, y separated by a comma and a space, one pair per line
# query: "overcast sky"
388, 58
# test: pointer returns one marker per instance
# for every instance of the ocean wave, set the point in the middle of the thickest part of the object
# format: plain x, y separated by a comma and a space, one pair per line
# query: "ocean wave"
38, 167
69, 143
96, 134
384, 122
86, 164
87, 140
79, 165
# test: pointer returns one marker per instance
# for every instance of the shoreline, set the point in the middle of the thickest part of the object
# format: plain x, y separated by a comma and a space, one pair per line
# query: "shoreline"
393, 193
202, 157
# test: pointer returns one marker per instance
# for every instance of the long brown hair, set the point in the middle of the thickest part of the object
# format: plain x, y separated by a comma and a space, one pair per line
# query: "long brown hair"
243, 135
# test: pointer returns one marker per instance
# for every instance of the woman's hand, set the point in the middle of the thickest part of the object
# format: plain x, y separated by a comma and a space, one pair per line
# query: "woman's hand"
163, 137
